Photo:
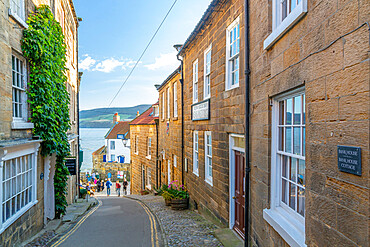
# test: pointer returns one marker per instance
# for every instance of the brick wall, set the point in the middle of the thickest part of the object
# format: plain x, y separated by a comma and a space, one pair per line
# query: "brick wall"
172, 134
140, 160
329, 57
227, 111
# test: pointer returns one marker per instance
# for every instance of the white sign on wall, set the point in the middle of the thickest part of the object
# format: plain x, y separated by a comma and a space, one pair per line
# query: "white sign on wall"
201, 110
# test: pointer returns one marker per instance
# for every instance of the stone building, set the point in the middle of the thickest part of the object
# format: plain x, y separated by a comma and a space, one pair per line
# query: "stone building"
144, 150
170, 156
26, 178
214, 88
309, 57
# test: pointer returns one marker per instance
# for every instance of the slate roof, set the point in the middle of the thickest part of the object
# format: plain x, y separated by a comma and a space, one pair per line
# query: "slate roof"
121, 127
146, 118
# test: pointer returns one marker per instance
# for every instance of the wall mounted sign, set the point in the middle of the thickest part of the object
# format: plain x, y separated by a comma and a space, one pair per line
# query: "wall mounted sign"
201, 110
71, 164
349, 159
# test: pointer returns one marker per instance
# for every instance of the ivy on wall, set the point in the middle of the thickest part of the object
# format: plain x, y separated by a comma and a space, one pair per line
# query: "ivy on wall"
43, 46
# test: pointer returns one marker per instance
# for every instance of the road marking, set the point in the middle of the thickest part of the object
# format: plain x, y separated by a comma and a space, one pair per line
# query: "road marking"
65, 236
152, 225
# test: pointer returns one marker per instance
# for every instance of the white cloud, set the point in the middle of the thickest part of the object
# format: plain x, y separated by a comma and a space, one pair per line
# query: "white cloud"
164, 61
86, 63
108, 65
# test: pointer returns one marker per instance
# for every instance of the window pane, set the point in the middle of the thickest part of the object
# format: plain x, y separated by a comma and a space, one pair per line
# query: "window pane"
292, 195
281, 112
284, 166
281, 139
289, 111
284, 9
297, 140
283, 191
304, 108
303, 141
301, 201
292, 5
297, 109
18, 202
288, 140
301, 172
293, 169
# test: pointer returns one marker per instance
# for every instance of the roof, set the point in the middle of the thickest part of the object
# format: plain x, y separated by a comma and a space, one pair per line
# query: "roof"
173, 74
202, 23
99, 151
146, 118
121, 127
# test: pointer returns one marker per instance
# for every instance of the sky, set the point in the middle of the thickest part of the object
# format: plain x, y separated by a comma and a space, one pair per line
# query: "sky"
112, 36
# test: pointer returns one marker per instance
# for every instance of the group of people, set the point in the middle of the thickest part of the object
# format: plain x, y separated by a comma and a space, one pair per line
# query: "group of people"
109, 184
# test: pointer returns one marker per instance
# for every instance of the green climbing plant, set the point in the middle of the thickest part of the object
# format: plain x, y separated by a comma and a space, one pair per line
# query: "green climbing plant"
43, 46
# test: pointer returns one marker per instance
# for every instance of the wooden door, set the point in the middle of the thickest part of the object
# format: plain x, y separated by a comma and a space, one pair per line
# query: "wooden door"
239, 226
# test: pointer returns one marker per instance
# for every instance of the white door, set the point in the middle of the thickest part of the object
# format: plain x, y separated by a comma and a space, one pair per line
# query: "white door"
169, 171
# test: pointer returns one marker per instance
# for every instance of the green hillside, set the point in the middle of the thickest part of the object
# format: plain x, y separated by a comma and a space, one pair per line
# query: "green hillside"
103, 117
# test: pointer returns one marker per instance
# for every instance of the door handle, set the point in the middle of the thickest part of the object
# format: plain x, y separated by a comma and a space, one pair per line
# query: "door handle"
234, 197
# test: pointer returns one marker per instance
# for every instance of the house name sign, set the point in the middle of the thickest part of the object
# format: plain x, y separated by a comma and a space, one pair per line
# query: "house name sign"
201, 110
349, 159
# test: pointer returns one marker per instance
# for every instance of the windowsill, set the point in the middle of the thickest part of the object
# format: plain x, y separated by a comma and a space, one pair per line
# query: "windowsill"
148, 157
17, 216
288, 23
208, 97
232, 87
175, 119
196, 173
137, 153
292, 233
18, 19
209, 181
21, 125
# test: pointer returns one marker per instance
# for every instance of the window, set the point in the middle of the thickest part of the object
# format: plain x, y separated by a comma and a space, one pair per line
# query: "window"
163, 111
19, 89
112, 145
196, 153
285, 14
175, 99
175, 161
149, 147
112, 157
288, 165
17, 11
195, 81
137, 145
207, 73
149, 178
156, 111
168, 103
18, 184
232, 55
208, 157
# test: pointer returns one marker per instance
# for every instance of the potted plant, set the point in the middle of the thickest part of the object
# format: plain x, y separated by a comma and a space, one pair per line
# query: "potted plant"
180, 196
167, 198
144, 192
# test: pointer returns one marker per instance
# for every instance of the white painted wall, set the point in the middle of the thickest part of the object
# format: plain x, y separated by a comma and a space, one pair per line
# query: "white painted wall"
119, 150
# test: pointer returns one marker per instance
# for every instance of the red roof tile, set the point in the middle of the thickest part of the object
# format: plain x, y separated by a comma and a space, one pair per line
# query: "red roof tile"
121, 127
146, 117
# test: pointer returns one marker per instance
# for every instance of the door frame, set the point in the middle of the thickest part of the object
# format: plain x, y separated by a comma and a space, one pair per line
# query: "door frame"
232, 148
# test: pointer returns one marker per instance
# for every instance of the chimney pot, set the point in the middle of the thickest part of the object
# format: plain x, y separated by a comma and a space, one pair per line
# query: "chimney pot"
116, 118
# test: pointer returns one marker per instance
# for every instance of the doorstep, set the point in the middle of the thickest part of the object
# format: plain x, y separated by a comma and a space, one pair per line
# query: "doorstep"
228, 237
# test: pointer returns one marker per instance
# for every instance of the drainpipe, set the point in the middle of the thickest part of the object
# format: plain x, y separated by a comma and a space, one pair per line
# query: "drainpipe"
247, 123
156, 155
182, 113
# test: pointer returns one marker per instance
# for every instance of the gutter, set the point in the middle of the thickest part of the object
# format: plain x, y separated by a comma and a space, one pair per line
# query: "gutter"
247, 125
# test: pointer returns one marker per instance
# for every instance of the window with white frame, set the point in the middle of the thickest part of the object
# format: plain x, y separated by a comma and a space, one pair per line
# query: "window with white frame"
208, 157
175, 100
174, 160
195, 81
288, 164
285, 13
113, 157
149, 147
18, 187
156, 111
19, 89
112, 145
196, 153
163, 106
17, 8
168, 103
149, 178
136, 144
207, 73
232, 55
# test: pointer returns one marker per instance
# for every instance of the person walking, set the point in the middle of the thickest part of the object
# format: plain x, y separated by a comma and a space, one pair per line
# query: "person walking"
118, 188
98, 185
108, 184
124, 186
102, 185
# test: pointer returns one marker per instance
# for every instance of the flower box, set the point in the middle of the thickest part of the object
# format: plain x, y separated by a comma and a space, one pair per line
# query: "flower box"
180, 204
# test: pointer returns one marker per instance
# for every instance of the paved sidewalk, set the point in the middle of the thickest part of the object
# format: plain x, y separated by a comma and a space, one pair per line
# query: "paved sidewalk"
59, 226
181, 228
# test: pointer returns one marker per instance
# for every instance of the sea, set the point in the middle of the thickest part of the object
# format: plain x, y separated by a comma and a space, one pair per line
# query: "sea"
91, 140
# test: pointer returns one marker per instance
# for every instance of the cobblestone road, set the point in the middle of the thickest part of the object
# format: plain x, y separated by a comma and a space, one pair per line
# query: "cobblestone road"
181, 228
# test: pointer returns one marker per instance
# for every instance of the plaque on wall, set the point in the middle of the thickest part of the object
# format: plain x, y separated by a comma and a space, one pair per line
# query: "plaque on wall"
201, 110
349, 159
71, 165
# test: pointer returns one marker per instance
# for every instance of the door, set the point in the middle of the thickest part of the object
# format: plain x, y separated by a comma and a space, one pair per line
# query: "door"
169, 171
143, 178
239, 226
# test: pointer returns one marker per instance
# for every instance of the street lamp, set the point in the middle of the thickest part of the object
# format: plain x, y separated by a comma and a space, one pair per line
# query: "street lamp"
124, 141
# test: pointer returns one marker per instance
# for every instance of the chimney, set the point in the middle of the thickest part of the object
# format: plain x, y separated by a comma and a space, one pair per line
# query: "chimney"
138, 113
116, 118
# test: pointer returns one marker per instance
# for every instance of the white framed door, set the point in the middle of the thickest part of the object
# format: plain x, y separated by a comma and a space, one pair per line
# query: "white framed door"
169, 171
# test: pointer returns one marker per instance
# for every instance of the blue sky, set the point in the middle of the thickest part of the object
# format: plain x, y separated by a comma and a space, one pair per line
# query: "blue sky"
113, 35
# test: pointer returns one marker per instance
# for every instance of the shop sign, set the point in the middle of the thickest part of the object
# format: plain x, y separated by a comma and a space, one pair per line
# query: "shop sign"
201, 111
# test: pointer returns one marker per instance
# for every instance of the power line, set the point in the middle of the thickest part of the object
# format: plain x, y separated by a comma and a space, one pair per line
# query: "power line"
142, 54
